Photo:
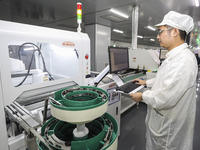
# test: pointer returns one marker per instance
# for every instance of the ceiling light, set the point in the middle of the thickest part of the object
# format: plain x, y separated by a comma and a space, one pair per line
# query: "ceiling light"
152, 40
118, 31
197, 3
139, 36
119, 13
101, 33
151, 28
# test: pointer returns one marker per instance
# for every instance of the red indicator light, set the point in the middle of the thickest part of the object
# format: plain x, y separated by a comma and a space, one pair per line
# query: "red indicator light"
86, 56
79, 6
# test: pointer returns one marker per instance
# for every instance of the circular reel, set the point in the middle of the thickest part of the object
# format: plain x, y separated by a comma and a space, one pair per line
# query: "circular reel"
79, 104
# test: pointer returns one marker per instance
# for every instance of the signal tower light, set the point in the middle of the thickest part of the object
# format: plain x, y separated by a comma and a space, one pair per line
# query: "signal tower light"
79, 16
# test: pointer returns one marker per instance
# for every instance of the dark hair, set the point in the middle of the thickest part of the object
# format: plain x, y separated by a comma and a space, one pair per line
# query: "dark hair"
182, 35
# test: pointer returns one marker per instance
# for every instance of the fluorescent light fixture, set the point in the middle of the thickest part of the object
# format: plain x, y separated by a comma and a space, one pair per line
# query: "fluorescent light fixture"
139, 36
101, 33
151, 28
119, 13
152, 40
118, 31
197, 3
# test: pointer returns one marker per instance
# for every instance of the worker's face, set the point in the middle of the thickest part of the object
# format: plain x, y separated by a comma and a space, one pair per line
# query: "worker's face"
164, 36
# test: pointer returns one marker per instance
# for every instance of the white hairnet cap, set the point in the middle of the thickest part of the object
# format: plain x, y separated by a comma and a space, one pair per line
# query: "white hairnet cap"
177, 20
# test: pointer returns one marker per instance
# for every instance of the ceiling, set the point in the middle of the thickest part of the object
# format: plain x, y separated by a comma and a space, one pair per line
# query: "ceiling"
61, 14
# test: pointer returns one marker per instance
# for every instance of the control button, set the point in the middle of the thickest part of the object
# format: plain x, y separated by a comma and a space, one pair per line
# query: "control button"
86, 56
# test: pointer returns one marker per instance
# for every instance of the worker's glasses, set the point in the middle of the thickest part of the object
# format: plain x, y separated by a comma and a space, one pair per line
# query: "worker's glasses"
161, 31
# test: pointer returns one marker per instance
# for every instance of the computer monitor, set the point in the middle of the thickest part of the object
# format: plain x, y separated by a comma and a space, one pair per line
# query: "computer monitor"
163, 53
118, 59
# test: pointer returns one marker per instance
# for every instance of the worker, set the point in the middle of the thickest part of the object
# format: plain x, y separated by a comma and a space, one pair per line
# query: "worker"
171, 101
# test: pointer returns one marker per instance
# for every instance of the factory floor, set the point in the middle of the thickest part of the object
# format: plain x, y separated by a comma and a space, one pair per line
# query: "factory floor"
132, 134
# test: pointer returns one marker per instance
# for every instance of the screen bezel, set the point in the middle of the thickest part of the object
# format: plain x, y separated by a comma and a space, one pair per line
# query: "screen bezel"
109, 56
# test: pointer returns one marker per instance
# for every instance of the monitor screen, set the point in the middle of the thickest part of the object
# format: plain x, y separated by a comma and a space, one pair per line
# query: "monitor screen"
118, 59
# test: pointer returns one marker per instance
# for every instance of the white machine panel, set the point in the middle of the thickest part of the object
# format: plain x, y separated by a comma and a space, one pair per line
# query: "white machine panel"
144, 59
65, 54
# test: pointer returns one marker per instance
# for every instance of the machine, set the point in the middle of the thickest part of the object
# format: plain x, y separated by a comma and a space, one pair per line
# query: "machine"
144, 59
125, 64
36, 62
80, 121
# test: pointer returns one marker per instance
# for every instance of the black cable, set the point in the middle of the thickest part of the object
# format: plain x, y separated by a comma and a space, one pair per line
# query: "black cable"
38, 49
29, 68
44, 64
76, 53
40, 53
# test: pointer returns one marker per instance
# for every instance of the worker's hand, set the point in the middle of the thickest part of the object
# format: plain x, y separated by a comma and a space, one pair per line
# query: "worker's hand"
137, 97
139, 81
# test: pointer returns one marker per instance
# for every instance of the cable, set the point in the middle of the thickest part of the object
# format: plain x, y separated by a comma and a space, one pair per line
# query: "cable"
29, 67
76, 51
45, 69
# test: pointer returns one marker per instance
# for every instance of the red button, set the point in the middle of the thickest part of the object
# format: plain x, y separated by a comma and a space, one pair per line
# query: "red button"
86, 56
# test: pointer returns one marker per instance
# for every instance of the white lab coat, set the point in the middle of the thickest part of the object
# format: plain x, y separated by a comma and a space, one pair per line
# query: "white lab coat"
171, 102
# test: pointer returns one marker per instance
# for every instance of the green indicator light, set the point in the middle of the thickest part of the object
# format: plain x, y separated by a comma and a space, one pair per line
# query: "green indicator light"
79, 17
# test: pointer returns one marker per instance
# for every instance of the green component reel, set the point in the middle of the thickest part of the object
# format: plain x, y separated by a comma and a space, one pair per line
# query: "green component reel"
80, 98
80, 105
103, 134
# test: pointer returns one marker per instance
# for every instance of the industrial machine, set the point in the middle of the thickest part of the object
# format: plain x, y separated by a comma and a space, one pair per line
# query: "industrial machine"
80, 121
144, 59
36, 62
126, 64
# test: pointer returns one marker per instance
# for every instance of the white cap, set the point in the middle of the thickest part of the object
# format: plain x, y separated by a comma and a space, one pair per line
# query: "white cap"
177, 20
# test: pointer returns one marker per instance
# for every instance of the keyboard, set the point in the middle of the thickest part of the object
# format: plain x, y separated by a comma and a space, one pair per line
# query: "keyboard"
128, 87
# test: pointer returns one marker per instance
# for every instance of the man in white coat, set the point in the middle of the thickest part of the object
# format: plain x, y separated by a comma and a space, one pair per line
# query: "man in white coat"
171, 102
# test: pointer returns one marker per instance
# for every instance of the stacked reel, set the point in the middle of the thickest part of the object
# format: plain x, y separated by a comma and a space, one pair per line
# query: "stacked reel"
80, 121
